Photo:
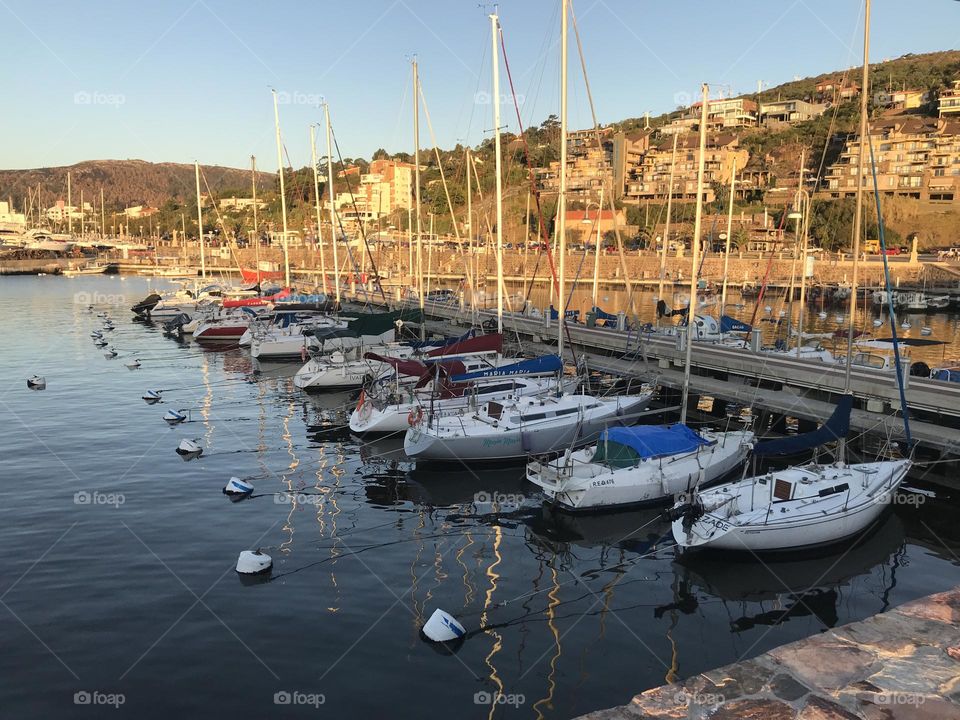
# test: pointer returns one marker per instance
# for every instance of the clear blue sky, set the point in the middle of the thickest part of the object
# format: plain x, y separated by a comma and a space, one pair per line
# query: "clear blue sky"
190, 79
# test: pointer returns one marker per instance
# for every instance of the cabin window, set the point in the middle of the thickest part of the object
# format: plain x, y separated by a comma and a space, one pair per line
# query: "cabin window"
782, 490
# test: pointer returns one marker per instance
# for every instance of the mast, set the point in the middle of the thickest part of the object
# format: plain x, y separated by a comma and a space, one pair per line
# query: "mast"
256, 226
726, 251
802, 241
473, 299
495, 63
596, 253
283, 194
69, 206
857, 215
333, 213
692, 310
103, 216
666, 227
316, 195
203, 258
81, 214
416, 172
562, 199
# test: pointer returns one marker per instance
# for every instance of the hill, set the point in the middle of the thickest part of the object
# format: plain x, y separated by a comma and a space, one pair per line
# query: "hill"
127, 182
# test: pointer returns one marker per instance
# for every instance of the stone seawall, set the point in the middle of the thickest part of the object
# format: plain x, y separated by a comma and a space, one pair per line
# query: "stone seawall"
900, 665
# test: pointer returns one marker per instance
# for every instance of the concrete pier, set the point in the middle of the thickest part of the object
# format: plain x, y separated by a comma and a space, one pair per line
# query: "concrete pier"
901, 665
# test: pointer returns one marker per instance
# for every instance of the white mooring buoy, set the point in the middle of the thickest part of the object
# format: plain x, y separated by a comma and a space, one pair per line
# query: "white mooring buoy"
135, 365
443, 627
151, 396
236, 486
173, 417
37, 383
110, 354
189, 448
253, 562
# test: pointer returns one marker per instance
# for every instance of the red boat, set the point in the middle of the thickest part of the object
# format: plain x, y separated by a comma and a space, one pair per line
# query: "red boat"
257, 301
225, 329
255, 276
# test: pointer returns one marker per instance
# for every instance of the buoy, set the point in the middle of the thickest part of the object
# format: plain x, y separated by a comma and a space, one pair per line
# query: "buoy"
839, 318
822, 315
189, 448
877, 322
151, 396
783, 313
926, 330
96, 334
173, 417
134, 365
253, 562
110, 354
236, 486
37, 383
905, 325
767, 309
443, 627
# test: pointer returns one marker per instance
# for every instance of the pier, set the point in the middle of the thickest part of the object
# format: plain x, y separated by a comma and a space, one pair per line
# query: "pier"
778, 383
900, 664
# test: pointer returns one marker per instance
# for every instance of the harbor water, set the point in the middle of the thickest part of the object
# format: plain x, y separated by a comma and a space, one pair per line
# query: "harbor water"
120, 589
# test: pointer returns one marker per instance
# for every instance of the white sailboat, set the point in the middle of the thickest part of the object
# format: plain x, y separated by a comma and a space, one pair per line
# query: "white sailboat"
803, 505
646, 464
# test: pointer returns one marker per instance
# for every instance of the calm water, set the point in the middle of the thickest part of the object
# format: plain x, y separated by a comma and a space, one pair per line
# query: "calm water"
134, 592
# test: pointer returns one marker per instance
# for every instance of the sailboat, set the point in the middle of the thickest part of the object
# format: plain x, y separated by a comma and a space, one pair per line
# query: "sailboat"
647, 463
812, 504
523, 426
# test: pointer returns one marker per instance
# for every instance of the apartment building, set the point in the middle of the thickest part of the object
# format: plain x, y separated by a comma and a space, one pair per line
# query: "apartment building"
726, 113
916, 157
790, 111
386, 187
948, 103
650, 180
589, 164
901, 99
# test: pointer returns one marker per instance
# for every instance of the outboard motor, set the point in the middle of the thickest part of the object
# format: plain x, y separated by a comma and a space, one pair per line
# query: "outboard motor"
175, 325
689, 511
143, 308
662, 309
920, 369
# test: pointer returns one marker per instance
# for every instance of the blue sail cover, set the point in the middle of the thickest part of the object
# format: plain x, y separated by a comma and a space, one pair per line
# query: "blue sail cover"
535, 366
946, 374
650, 441
569, 315
729, 324
602, 314
421, 344
836, 427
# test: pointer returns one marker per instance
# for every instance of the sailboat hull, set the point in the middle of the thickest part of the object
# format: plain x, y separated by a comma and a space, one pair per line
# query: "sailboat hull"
799, 507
